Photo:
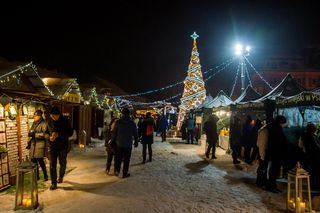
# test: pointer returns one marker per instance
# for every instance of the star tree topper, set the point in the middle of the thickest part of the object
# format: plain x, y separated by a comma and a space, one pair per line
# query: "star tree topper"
194, 36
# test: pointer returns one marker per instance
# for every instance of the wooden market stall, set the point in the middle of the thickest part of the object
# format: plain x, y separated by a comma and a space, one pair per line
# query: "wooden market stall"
22, 91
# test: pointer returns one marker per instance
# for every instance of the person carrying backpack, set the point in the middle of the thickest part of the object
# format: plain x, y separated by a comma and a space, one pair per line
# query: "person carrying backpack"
147, 129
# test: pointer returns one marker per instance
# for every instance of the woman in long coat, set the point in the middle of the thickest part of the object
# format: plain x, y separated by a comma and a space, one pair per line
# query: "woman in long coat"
38, 143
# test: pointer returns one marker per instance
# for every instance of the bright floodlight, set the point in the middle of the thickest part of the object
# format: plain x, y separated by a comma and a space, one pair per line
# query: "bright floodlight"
238, 49
241, 50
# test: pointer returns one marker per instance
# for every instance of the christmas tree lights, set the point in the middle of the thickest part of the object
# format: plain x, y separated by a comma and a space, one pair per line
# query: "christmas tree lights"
194, 92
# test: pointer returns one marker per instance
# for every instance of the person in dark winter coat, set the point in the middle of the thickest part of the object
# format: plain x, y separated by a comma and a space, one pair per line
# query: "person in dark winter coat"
210, 128
312, 154
125, 131
255, 129
110, 147
60, 131
38, 144
235, 138
196, 132
163, 126
190, 124
140, 126
147, 130
247, 139
183, 130
276, 147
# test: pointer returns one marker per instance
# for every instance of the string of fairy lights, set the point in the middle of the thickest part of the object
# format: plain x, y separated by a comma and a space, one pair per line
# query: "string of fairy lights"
247, 73
256, 71
16, 74
222, 67
223, 64
235, 80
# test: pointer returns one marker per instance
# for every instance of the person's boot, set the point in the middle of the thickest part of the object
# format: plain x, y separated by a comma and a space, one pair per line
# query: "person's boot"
213, 157
53, 186
46, 178
235, 161
126, 175
60, 180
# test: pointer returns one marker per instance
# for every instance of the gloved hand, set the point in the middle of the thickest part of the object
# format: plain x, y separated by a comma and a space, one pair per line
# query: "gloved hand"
32, 134
29, 145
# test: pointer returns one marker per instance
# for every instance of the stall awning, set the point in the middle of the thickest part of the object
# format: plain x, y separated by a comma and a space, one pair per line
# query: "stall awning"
249, 94
288, 87
221, 100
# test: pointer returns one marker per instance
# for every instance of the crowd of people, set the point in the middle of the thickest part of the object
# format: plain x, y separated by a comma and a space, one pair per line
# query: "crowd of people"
123, 131
267, 143
274, 146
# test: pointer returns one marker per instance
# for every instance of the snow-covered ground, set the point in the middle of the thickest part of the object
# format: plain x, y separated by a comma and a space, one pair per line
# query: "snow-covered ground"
178, 179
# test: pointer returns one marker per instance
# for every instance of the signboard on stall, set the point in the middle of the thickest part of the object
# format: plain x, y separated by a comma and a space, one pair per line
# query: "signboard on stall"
302, 99
72, 97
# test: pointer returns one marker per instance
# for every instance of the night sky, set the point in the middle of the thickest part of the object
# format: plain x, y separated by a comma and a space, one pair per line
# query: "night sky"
141, 45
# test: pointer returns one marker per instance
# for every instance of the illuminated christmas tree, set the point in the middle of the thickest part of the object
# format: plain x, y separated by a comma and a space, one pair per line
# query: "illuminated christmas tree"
194, 92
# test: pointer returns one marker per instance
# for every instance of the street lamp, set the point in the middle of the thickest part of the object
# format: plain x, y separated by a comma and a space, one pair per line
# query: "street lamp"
242, 51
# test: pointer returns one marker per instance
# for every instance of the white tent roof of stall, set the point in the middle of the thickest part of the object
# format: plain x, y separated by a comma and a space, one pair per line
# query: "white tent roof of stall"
248, 94
208, 99
287, 88
221, 100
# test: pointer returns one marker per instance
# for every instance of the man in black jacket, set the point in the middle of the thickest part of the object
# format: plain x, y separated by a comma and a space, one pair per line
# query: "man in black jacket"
60, 130
124, 132
210, 128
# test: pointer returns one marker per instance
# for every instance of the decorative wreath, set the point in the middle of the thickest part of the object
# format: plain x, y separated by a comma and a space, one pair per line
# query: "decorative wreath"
2, 149
11, 111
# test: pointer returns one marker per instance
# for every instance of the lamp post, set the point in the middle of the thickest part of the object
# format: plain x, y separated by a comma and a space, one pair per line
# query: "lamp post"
241, 52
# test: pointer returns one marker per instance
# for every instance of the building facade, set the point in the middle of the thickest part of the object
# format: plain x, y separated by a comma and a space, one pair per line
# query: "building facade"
274, 69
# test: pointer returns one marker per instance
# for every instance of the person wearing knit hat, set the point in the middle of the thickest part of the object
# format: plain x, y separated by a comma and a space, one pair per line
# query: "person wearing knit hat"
124, 131
60, 130
39, 134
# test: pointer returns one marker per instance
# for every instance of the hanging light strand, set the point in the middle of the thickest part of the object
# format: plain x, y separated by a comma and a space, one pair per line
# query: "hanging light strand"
261, 77
34, 69
217, 72
235, 80
224, 64
247, 73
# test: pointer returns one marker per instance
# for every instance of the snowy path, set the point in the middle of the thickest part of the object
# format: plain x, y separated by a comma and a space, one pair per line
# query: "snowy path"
178, 180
